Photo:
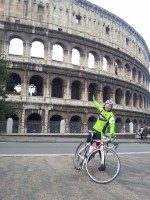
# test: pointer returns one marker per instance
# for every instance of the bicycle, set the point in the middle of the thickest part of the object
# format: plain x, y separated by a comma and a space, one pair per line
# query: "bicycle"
103, 154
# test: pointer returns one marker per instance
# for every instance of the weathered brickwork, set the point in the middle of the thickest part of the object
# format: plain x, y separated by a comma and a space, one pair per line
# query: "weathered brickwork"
64, 89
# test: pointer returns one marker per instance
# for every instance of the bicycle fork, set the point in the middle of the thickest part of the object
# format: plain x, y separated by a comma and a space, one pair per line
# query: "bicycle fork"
102, 154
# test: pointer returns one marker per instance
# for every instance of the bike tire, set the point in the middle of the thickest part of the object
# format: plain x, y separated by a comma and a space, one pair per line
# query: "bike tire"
79, 155
112, 164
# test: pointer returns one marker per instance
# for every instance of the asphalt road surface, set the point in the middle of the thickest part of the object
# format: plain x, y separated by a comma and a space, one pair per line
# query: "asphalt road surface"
9, 148
52, 176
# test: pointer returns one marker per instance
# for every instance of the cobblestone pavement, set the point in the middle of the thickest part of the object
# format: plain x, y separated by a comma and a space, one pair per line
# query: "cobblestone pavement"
54, 178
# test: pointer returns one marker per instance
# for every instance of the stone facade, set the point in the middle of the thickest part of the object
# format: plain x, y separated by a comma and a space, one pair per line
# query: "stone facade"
64, 89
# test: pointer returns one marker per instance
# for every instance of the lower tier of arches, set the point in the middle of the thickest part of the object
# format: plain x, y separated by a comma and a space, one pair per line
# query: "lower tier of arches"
66, 120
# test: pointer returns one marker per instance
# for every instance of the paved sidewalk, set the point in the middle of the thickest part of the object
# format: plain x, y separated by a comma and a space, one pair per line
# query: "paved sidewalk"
64, 138
54, 178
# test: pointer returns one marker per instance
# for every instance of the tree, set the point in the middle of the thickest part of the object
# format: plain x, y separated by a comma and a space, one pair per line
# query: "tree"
6, 108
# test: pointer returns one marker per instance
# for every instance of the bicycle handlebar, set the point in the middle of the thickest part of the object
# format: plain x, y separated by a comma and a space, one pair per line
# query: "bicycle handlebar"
106, 139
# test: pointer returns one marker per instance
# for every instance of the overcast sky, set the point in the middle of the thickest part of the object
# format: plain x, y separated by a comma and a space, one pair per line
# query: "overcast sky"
135, 12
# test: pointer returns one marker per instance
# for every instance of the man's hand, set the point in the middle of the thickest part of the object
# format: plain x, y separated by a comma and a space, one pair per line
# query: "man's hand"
111, 139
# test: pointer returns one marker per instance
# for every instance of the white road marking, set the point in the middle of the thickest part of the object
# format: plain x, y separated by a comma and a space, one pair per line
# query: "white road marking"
44, 155
30, 155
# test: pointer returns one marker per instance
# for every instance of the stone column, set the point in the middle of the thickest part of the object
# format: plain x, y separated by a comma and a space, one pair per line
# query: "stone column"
131, 127
22, 123
48, 55
65, 91
62, 127
97, 63
27, 50
82, 59
101, 63
86, 91
47, 89
68, 94
6, 48
24, 86
9, 126
66, 56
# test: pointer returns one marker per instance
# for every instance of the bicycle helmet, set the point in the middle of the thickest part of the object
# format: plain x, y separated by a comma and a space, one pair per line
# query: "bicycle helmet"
110, 102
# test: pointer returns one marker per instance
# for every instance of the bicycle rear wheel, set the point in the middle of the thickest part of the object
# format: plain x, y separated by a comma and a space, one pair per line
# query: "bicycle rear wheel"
79, 155
112, 166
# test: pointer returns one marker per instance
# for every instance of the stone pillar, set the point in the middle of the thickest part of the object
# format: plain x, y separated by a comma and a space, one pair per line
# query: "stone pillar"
47, 89
66, 56
97, 63
27, 50
25, 86
62, 127
9, 126
22, 123
101, 63
68, 94
131, 127
6, 47
86, 91
46, 121
65, 91
82, 59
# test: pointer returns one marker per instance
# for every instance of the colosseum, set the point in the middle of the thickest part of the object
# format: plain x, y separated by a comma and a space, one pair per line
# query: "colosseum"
62, 52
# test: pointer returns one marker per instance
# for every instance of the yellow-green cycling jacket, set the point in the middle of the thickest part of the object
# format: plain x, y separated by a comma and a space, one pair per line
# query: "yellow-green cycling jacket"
105, 121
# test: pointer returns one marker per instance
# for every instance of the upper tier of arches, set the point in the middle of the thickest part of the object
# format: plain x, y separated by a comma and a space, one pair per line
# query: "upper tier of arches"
78, 55
80, 18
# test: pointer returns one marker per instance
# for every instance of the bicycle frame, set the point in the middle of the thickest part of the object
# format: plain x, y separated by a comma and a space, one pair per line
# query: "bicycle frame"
103, 143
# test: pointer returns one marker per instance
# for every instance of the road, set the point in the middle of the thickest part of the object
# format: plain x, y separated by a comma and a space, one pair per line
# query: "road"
33, 171
9, 148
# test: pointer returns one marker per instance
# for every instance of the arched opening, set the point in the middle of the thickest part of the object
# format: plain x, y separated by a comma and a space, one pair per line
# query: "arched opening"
135, 126
57, 88
140, 123
92, 91
14, 86
106, 93
55, 124
118, 125
135, 100
36, 86
134, 74
106, 63
140, 102
37, 49
127, 126
118, 96
58, 53
16, 42
91, 60
118, 67
76, 90
128, 98
139, 77
91, 122
34, 123
75, 58
75, 124
127, 70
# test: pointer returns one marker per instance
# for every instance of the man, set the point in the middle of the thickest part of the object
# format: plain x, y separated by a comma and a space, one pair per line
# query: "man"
105, 121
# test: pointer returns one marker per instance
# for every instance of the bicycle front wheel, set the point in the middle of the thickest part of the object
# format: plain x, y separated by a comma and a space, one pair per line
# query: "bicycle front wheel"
79, 155
111, 166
